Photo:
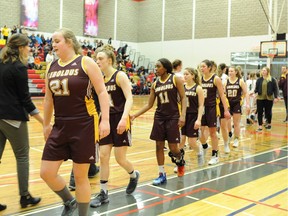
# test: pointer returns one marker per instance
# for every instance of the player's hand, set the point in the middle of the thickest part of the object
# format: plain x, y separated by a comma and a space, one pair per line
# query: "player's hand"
46, 131
181, 121
121, 126
227, 114
104, 129
197, 124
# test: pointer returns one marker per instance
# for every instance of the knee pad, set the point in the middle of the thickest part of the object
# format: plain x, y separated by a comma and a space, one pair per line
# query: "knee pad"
178, 159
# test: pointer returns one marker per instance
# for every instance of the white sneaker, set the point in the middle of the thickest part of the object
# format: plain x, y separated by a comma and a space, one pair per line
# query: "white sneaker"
236, 143
214, 160
201, 151
226, 148
175, 169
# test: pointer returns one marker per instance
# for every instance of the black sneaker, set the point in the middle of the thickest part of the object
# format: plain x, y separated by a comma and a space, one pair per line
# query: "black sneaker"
72, 185
100, 199
2, 207
69, 207
133, 183
268, 127
93, 170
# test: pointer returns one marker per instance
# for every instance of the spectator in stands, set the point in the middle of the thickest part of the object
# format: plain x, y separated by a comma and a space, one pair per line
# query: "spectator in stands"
37, 62
109, 40
30, 61
49, 57
5, 32
15, 106
283, 86
14, 30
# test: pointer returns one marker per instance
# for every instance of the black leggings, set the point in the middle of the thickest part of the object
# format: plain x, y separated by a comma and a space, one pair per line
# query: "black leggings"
266, 106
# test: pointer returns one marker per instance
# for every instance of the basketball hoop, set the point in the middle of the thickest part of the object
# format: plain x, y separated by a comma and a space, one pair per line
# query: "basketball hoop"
271, 55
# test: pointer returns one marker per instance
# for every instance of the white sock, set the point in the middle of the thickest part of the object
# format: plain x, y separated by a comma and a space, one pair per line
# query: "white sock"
161, 169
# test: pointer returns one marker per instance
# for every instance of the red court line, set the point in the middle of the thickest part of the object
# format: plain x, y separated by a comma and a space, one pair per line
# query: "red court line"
268, 134
257, 202
167, 199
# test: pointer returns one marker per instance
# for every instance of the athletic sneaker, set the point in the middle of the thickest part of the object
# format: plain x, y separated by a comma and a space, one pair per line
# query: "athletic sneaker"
201, 151
226, 148
160, 180
93, 170
236, 143
268, 127
180, 171
259, 130
133, 183
100, 199
69, 207
214, 160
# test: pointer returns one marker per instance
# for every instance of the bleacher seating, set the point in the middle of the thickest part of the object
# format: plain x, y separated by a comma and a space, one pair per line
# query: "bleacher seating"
36, 81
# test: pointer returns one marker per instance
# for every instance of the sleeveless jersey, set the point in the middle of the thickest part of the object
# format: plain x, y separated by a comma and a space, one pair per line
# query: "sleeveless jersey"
167, 102
233, 91
192, 99
117, 98
209, 91
71, 89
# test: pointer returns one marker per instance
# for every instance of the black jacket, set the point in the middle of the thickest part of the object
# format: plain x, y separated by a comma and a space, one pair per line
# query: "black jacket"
272, 87
15, 100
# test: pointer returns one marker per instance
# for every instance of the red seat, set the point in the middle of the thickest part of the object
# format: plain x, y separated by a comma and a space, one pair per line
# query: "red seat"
33, 76
38, 81
40, 86
31, 71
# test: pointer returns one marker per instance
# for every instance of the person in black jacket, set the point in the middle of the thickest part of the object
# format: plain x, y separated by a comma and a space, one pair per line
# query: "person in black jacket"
283, 86
15, 107
268, 93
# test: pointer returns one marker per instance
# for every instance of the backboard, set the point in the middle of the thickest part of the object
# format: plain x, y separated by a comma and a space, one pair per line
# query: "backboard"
277, 48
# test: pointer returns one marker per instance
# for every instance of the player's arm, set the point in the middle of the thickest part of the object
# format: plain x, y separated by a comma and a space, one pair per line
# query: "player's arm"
124, 83
149, 104
95, 75
220, 89
183, 99
200, 94
48, 107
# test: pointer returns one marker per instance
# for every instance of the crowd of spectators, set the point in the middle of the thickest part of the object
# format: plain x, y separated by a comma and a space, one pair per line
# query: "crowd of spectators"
41, 50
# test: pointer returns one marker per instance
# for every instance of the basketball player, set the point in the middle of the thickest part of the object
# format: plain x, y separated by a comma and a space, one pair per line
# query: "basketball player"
211, 84
121, 101
194, 112
75, 131
167, 118
236, 91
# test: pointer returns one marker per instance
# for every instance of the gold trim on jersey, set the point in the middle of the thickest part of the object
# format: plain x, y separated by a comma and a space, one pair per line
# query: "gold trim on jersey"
83, 65
91, 109
63, 64
165, 79
128, 124
209, 78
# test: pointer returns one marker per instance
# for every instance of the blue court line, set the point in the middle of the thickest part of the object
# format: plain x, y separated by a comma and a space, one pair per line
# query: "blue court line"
254, 204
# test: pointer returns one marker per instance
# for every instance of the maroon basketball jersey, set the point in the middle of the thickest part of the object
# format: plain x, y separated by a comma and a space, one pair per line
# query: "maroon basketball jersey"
233, 91
209, 91
192, 99
71, 89
117, 98
167, 102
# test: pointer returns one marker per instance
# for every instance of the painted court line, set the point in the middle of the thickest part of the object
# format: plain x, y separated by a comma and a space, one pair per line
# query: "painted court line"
258, 202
